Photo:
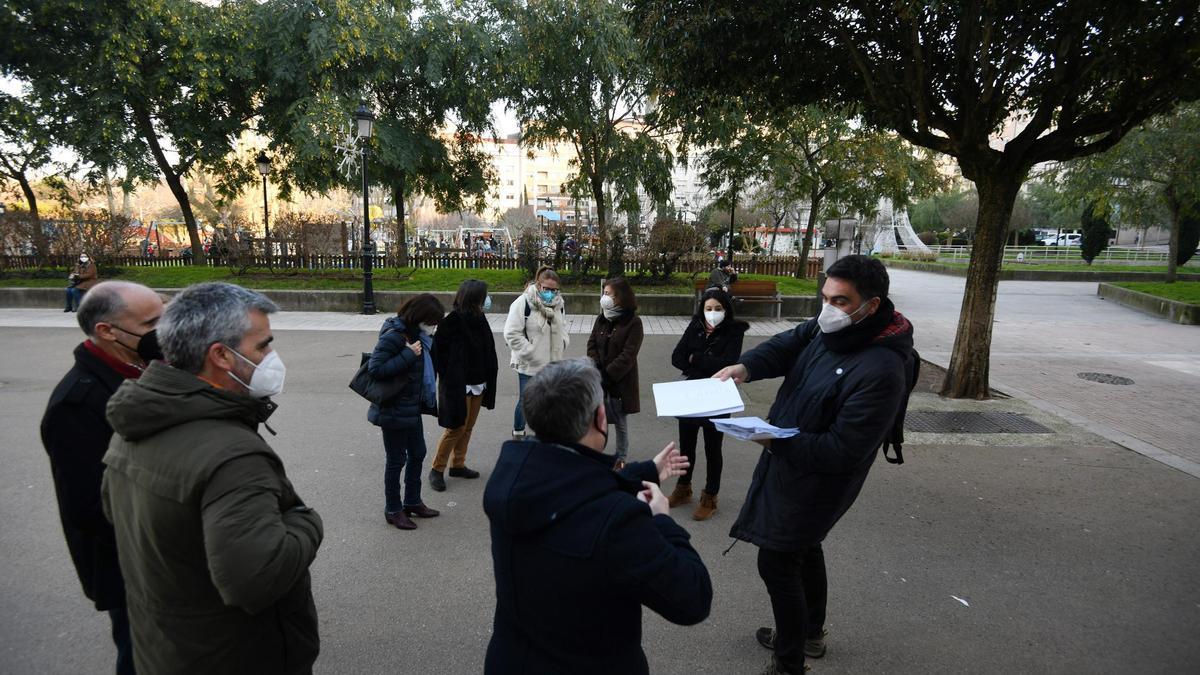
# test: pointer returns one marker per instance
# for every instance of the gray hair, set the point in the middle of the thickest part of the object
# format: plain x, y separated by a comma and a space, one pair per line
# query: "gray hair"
101, 304
203, 315
561, 400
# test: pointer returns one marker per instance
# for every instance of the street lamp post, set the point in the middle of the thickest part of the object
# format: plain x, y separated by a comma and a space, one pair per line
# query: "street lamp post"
264, 168
365, 119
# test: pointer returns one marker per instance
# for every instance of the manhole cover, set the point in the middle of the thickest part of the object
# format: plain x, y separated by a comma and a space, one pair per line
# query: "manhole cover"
1104, 378
936, 422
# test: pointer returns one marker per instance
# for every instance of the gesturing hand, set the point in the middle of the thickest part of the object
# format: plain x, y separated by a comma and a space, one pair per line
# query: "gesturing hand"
737, 371
654, 497
670, 462
415, 347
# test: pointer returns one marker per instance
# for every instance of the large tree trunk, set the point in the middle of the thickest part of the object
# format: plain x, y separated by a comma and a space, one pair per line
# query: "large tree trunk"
814, 207
970, 360
401, 234
1173, 247
41, 247
146, 128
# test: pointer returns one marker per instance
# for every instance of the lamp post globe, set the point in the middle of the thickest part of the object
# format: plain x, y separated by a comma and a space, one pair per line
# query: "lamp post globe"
364, 122
264, 168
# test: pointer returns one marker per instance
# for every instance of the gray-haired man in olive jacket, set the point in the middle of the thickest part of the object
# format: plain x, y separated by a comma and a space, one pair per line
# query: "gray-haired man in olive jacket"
214, 541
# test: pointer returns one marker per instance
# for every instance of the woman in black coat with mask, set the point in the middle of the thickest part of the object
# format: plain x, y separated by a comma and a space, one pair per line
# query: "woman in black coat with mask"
712, 341
465, 355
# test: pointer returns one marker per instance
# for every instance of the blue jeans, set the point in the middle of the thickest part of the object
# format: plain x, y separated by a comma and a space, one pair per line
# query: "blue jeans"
518, 414
405, 450
74, 297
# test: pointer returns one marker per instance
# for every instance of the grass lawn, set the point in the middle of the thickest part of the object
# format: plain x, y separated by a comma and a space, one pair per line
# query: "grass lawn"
389, 279
1182, 291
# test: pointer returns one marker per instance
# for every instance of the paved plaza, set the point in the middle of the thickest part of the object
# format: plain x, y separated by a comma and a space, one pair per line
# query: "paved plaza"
1059, 552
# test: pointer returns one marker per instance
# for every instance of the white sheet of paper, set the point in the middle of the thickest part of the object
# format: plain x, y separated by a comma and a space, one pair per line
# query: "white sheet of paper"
752, 429
697, 398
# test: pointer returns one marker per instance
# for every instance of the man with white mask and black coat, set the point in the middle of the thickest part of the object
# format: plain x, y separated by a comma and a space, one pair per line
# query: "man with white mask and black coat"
847, 374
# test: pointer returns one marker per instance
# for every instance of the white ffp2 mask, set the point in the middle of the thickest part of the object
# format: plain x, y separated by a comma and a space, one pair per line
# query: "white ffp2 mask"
268, 376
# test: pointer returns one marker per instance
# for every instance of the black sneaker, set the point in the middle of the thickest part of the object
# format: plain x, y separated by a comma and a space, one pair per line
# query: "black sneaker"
775, 668
437, 482
463, 472
814, 647
765, 637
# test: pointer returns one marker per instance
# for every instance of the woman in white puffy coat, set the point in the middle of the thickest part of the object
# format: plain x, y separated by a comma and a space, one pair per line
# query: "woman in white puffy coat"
536, 333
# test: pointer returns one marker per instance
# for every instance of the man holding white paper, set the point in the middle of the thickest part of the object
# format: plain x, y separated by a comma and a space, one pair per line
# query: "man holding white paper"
847, 374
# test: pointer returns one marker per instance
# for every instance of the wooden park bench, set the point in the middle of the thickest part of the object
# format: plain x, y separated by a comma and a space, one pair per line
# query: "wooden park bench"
749, 292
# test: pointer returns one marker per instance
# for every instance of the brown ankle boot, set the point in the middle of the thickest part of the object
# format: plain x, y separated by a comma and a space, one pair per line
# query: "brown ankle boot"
681, 495
708, 506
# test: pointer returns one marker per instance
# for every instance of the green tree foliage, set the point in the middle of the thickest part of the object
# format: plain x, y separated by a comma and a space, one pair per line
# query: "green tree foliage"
947, 76
575, 74
26, 139
1152, 174
175, 77
421, 66
828, 157
1094, 225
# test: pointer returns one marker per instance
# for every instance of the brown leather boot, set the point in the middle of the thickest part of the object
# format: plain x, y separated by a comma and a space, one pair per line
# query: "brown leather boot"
707, 507
682, 494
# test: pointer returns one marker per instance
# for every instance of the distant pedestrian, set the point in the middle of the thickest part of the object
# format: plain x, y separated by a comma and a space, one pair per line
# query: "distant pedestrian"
613, 346
723, 277
847, 374
118, 318
214, 542
81, 277
405, 350
536, 333
712, 341
579, 548
465, 354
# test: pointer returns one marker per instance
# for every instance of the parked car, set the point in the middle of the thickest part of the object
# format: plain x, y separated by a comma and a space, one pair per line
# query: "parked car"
1065, 239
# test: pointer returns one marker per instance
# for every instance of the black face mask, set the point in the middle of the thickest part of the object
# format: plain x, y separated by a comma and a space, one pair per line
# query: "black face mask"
147, 347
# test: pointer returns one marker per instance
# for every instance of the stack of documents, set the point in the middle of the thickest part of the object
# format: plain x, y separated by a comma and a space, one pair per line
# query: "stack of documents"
697, 398
752, 429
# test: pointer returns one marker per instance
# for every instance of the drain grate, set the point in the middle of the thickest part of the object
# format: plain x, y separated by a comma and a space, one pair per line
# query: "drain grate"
1104, 378
937, 422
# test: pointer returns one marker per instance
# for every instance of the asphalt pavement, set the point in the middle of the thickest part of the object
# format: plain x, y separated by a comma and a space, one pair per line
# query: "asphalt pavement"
1057, 552
1047, 333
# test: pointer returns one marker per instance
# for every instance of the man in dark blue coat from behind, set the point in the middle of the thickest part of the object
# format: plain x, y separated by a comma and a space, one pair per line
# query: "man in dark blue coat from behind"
578, 548
118, 318
846, 374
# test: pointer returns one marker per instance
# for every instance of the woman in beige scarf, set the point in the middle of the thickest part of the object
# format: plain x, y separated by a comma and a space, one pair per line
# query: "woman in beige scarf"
536, 333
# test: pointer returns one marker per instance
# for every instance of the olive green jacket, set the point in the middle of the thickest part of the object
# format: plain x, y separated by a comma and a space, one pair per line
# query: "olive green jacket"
214, 542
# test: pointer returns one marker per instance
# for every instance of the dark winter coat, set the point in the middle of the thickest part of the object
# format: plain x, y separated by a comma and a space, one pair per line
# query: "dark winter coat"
214, 541
844, 405
75, 435
465, 354
699, 354
392, 358
576, 555
613, 347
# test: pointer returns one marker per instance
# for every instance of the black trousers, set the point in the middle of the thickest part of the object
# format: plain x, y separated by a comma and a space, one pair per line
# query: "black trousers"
713, 461
120, 636
799, 590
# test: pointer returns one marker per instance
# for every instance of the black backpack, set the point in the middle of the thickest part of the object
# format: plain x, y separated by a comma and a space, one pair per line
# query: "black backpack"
895, 439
